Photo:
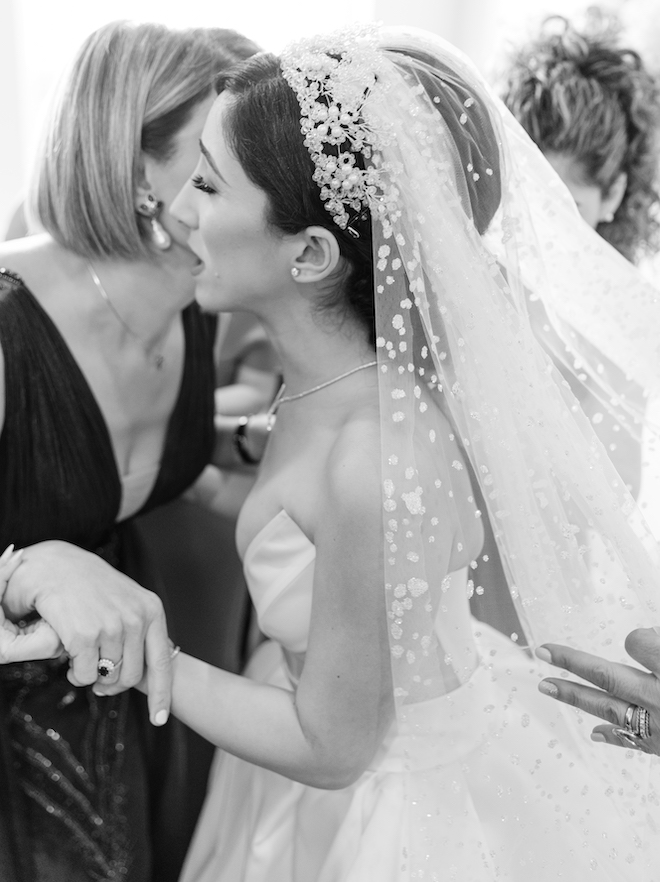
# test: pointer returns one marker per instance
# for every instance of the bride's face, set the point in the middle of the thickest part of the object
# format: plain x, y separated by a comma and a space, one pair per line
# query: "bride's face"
242, 261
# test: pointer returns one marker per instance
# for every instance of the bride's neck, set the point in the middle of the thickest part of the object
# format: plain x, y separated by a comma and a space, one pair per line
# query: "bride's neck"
317, 347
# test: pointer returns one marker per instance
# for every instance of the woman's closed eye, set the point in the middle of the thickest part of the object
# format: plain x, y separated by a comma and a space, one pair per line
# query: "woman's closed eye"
199, 183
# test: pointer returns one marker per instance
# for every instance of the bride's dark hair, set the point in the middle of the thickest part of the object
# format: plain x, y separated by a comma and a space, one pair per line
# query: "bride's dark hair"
262, 127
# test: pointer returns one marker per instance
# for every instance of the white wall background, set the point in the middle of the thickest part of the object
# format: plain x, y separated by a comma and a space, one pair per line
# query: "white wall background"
41, 36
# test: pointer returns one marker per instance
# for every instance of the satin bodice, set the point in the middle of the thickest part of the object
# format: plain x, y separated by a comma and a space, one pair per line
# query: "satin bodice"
279, 571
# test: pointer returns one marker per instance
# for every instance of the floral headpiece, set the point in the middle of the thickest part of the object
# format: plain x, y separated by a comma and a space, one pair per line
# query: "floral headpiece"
332, 76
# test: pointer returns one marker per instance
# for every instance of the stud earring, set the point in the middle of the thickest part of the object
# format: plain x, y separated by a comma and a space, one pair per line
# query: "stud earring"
295, 272
609, 217
150, 209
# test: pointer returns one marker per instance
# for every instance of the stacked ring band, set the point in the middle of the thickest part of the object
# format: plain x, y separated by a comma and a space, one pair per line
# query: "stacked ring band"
644, 723
106, 666
626, 737
637, 721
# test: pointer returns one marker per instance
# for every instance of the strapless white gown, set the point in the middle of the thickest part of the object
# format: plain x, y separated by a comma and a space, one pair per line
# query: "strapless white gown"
502, 790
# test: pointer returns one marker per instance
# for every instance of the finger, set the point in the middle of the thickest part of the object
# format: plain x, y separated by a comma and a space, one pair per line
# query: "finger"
627, 683
643, 645
104, 691
159, 671
6, 554
130, 672
110, 662
593, 701
132, 669
618, 737
38, 643
84, 664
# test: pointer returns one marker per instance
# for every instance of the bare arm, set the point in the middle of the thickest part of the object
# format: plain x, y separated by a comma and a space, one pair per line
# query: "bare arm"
221, 490
248, 381
326, 732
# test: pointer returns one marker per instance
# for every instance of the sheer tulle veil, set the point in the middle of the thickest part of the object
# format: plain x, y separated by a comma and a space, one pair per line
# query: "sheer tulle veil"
483, 269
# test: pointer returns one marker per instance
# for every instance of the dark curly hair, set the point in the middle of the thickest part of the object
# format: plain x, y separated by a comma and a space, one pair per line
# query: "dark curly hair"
579, 94
263, 130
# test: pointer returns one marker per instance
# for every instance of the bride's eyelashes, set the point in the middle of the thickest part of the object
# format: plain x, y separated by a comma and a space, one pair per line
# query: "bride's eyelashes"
199, 183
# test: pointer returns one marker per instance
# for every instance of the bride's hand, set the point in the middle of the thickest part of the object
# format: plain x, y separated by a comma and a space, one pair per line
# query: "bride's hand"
23, 643
99, 614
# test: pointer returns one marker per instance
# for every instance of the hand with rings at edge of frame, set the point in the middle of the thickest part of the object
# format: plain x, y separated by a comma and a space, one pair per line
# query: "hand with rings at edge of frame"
617, 686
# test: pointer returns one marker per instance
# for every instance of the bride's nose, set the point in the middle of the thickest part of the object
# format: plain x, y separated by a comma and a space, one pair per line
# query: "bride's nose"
183, 207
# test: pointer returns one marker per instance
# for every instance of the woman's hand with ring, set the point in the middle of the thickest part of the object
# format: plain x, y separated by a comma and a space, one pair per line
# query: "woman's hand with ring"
98, 613
619, 688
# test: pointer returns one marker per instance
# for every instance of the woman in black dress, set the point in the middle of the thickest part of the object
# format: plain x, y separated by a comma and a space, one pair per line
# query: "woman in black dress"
106, 408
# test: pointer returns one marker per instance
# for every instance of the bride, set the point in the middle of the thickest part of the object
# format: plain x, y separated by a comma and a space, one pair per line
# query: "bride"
388, 222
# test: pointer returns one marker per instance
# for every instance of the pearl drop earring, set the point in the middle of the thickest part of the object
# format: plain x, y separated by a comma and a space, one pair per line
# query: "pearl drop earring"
150, 208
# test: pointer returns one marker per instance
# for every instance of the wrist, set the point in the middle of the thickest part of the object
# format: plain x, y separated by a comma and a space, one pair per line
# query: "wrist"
240, 443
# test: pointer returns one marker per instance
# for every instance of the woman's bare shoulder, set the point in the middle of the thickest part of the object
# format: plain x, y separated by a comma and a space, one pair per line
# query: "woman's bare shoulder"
36, 259
353, 467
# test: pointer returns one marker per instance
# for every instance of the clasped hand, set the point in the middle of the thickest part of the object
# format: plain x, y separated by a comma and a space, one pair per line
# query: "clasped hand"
90, 611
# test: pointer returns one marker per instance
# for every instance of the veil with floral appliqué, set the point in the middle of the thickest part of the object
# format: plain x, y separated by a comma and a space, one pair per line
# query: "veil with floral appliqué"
480, 257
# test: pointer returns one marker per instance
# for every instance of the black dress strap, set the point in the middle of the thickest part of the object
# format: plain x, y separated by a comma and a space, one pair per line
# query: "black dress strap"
54, 446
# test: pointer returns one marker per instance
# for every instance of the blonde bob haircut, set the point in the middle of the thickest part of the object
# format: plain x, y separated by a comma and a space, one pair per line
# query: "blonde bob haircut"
132, 87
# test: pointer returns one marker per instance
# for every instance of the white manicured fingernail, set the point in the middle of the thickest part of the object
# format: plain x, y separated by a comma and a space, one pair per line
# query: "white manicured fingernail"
598, 736
161, 718
544, 654
548, 688
6, 554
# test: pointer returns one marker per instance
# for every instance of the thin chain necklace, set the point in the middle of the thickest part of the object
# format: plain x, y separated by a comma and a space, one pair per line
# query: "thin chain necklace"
281, 398
157, 358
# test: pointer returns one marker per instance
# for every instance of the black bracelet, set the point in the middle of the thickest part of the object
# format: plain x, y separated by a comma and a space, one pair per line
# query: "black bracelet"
239, 442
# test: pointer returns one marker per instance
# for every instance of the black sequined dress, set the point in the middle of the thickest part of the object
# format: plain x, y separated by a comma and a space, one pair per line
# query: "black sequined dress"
87, 788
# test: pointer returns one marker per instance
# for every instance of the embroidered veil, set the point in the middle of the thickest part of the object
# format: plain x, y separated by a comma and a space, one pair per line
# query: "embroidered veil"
483, 270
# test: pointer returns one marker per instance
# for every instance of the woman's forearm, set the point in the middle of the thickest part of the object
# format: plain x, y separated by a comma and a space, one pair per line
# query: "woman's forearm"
256, 722
221, 490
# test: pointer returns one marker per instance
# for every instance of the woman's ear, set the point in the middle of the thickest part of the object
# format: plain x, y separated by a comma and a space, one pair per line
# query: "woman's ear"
143, 184
613, 198
318, 255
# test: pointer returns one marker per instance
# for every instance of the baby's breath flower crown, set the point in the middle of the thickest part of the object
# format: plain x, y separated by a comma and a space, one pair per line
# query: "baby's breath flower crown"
333, 77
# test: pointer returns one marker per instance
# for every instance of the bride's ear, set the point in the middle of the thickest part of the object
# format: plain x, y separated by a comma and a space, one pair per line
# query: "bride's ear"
318, 255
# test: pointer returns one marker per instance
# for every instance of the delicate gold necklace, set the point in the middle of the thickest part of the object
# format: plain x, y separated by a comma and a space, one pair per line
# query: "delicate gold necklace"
156, 358
281, 398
